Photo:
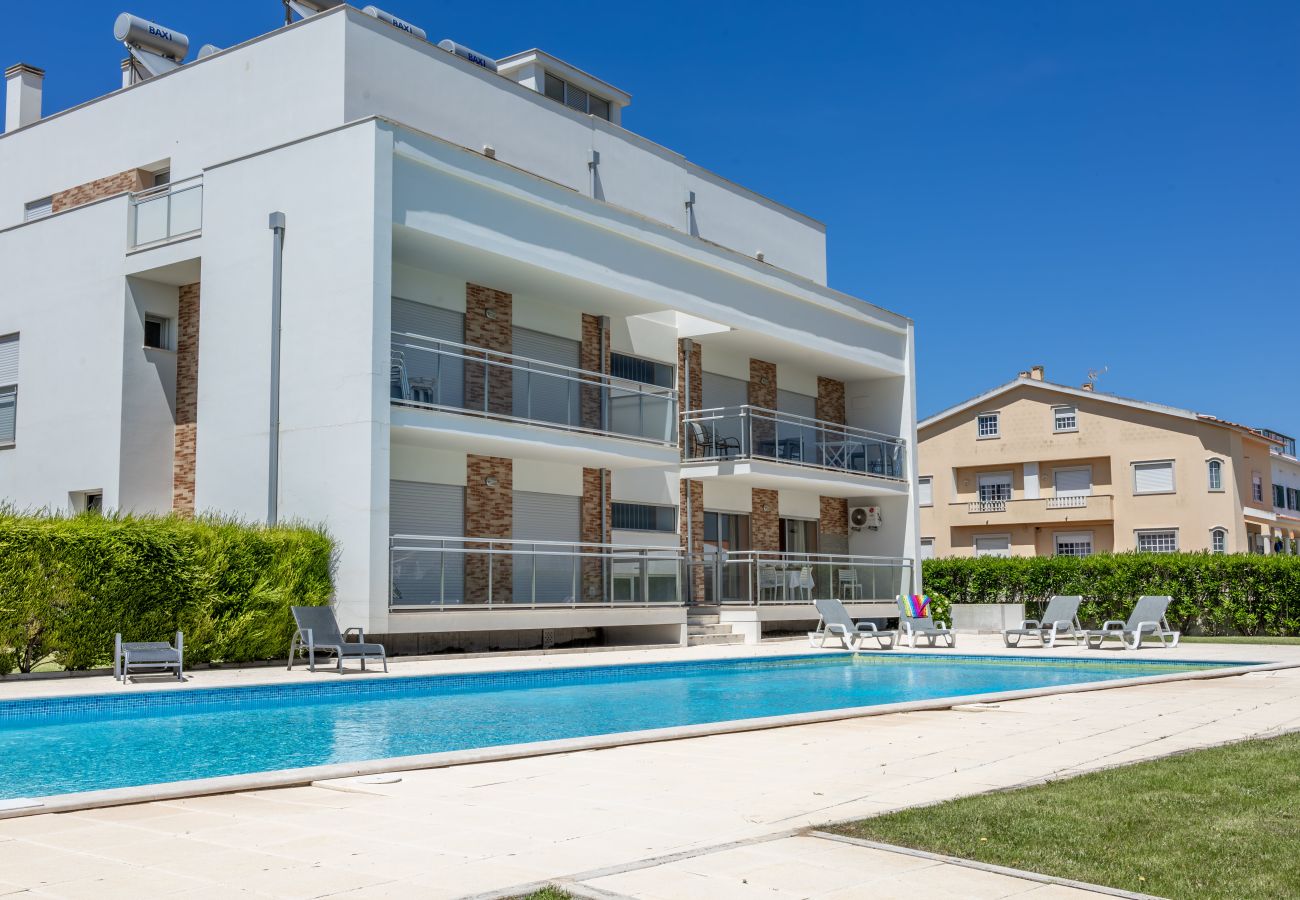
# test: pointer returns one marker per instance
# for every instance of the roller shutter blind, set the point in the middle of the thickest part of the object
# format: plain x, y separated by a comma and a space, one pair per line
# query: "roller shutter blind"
993, 546
796, 404
8, 388
1073, 482
924, 492
545, 517
1153, 477
429, 377
9, 359
544, 392
436, 510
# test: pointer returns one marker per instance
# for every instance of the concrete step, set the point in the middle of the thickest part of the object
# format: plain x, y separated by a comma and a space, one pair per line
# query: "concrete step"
703, 620
696, 640
707, 629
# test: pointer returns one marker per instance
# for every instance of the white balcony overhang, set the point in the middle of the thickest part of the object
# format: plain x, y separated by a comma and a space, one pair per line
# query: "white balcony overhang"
777, 475
452, 430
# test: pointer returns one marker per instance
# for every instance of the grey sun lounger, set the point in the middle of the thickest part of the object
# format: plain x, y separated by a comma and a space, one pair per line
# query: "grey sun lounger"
1147, 618
836, 622
152, 656
912, 626
318, 631
1061, 618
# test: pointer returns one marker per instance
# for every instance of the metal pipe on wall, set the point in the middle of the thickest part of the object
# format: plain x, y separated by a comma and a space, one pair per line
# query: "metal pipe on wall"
276, 224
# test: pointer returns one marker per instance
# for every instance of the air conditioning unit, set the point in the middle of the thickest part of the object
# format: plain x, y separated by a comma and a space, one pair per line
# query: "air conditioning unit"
865, 517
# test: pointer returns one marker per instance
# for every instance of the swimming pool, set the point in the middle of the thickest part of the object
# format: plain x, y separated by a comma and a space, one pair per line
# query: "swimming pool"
93, 742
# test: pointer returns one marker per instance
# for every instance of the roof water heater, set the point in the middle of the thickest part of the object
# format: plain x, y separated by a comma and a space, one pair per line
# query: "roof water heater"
305, 8
154, 50
395, 22
464, 52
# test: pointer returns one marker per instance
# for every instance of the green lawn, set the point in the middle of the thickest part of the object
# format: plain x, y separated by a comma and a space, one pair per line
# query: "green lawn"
1241, 639
1215, 823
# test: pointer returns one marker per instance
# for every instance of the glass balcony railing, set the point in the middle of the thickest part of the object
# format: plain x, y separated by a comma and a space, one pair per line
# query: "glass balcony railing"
427, 372
166, 212
757, 577
751, 432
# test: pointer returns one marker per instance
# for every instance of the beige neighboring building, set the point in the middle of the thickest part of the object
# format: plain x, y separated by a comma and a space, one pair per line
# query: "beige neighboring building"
1035, 468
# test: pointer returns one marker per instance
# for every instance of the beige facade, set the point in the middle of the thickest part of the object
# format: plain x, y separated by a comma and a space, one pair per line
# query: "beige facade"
1036, 468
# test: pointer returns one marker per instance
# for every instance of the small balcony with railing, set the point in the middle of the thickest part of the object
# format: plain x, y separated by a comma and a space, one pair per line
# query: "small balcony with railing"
771, 578
524, 405
1046, 510
782, 449
166, 213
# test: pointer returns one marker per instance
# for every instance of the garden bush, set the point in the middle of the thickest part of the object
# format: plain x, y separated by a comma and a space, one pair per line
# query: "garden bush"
69, 583
1214, 594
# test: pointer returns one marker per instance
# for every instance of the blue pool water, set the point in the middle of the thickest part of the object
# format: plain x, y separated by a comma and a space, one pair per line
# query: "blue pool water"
135, 737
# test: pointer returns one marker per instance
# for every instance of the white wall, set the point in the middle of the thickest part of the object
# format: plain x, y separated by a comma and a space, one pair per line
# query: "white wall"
148, 401
63, 291
334, 450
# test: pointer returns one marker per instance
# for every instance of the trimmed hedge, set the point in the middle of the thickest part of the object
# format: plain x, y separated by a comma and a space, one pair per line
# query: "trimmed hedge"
1214, 594
69, 583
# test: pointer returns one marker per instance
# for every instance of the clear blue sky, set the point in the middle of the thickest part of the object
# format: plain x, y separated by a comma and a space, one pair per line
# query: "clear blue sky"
1077, 184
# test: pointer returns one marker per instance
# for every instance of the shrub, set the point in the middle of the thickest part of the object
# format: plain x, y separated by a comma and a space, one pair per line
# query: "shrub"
67, 584
1212, 593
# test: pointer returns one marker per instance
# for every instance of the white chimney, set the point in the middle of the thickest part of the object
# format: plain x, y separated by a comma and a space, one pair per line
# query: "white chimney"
22, 95
1037, 373
128, 73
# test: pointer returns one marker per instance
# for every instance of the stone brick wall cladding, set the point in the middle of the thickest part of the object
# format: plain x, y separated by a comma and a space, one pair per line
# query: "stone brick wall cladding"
762, 393
591, 359
830, 400
187, 399
488, 317
593, 569
695, 394
764, 520
694, 588
130, 180
489, 513
834, 525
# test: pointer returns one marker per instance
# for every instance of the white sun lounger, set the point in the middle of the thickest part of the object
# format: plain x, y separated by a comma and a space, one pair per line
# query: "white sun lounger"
1147, 618
836, 622
1061, 618
911, 626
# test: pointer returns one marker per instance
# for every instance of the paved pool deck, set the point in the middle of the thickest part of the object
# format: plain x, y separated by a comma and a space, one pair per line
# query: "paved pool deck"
725, 815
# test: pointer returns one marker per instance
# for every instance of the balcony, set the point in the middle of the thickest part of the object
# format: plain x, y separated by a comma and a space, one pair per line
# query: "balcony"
458, 573
777, 449
166, 212
518, 395
1042, 510
763, 578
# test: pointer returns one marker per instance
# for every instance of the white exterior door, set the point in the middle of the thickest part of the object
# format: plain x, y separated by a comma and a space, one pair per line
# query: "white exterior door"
546, 517
993, 545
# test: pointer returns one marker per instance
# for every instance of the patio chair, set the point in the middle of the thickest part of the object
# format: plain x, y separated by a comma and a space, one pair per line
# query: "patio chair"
769, 579
850, 586
155, 656
1060, 618
318, 630
1147, 618
707, 445
914, 620
835, 621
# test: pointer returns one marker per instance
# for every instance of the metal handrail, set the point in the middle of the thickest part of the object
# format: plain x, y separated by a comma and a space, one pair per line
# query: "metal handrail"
834, 446
164, 193
737, 577
611, 569
654, 427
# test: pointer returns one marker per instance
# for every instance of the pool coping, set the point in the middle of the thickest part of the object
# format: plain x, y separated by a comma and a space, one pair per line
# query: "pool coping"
308, 775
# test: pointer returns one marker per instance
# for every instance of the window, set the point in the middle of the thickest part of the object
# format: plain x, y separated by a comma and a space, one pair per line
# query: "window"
646, 371
157, 332
1075, 481
988, 425
95, 502
1293, 498
1073, 543
643, 517
575, 97
927, 548
1153, 477
993, 545
1279, 496
161, 177
1257, 488
8, 389
1218, 541
38, 209
995, 487
1065, 418
1214, 474
925, 491
1163, 541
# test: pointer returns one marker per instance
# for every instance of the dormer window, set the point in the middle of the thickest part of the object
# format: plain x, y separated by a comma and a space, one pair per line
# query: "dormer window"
575, 97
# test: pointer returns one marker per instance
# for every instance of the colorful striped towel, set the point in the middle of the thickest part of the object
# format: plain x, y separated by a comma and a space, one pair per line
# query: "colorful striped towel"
918, 605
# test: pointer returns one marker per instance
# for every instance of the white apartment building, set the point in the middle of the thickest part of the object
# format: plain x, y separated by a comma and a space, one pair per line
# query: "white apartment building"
542, 379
